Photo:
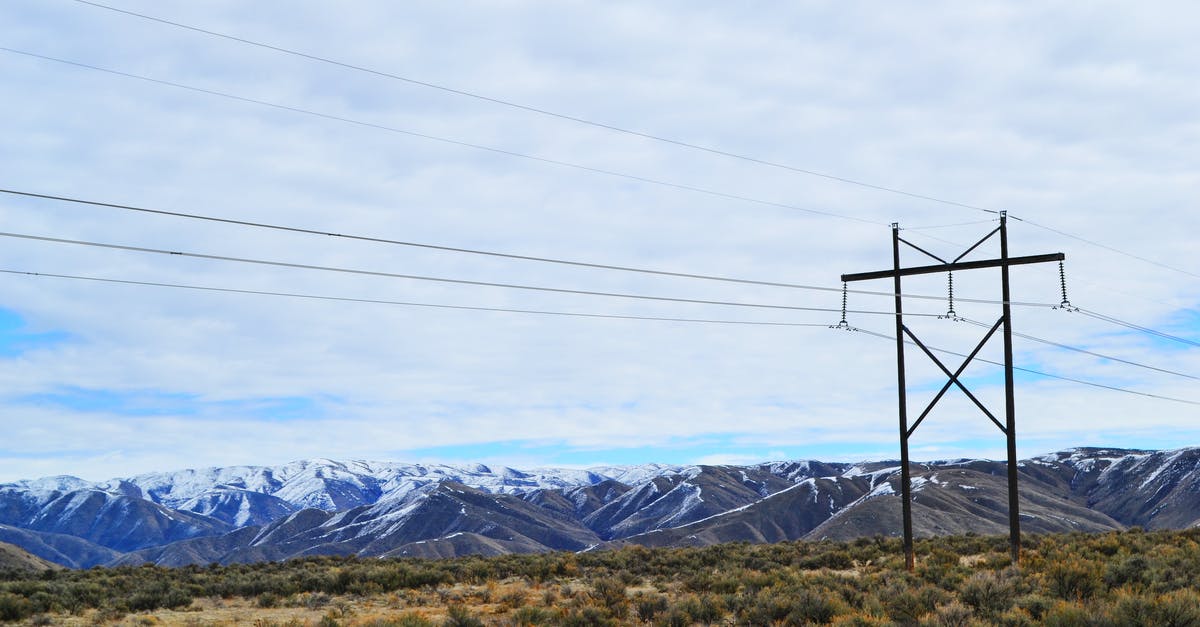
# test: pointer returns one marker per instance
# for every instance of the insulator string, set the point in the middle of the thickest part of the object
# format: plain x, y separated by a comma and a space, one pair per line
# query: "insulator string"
1062, 280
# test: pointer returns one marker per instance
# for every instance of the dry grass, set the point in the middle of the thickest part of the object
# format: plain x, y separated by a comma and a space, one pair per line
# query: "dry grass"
1111, 579
493, 602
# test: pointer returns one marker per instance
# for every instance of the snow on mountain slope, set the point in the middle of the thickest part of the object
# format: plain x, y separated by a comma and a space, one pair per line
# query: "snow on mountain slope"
322, 484
320, 506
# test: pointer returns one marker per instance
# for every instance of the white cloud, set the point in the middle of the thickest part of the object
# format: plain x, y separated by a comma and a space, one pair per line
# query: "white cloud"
1077, 117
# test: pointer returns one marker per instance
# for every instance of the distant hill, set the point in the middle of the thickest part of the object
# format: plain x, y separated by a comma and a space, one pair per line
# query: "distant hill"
18, 559
325, 507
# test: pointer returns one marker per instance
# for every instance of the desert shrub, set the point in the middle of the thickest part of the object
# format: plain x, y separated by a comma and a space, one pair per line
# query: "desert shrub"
942, 556
1106, 544
587, 617
1110, 579
315, 600
1064, 614
514, 599
831, 559
908, 604
674, 617
1073, 579
610, 593
1015, 617
1129, 609
704, 609
1035, 605
532, 616
1132, 570
988, 593
459, 616
153, 598
407, 619
767, 607
649, 606
812, 605
14, 608
860, 619
952, 614
1178, 609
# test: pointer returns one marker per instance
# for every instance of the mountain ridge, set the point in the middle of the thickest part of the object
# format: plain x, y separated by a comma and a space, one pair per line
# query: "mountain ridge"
389, 509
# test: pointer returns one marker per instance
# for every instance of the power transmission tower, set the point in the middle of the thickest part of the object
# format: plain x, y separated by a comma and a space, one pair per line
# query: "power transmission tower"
1008, 427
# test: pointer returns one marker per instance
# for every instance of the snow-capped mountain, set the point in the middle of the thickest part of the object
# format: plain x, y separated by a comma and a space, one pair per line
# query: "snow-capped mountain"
245, 495
249, 513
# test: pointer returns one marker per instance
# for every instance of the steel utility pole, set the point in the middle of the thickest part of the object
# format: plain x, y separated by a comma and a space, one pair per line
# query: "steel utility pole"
1008, 427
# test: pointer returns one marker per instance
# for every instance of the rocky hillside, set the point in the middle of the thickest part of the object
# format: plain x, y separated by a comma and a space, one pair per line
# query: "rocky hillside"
323, 507
14, 558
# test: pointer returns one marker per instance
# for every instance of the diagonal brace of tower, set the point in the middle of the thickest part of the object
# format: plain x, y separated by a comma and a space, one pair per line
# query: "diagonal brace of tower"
1004, 324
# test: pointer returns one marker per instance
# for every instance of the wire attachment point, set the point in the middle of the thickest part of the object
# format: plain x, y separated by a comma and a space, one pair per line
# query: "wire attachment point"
950, 313
1065, 305
842, 324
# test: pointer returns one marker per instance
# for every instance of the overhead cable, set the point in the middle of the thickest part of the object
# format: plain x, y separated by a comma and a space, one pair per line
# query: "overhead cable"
444, 140
455, 249
1040, 373
574, 119
376, 301
1110, 249
395, 275
537, 110
946, 226
1137, 327
1088, 352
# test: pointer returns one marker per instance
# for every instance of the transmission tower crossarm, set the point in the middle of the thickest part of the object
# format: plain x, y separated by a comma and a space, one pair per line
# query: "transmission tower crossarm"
953, 267
1008, 427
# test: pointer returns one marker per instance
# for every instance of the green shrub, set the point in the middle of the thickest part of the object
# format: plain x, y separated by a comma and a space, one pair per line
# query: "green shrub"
705, 609
649, 606
1035, 605
1073, 579
768, 607
1131, 570
610, 593
810, 605
587, 617
1178, 609
908, 604
532, 616
459, 616
952, 614
988, 593
14, 608
1064, 614
407, 619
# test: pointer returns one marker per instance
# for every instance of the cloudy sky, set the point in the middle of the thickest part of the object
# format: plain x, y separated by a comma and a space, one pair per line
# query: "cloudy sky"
1079, 119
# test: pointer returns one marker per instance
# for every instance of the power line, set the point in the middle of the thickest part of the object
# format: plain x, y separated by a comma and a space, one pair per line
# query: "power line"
380, 240
537, 110
394, 275
573, 119
1040, 373
566, 164
946, 226
1088, 352
407, 303
445, 140
1137, 327
1107, 247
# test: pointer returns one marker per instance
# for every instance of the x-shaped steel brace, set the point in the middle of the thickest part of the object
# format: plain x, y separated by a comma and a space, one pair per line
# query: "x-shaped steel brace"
954, 377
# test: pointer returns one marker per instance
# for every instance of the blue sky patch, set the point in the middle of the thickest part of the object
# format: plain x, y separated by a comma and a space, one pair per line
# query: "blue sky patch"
15, 340
736, 448
142, 403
